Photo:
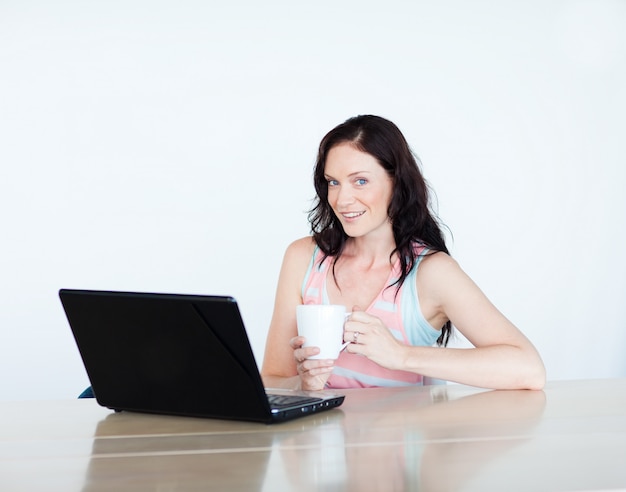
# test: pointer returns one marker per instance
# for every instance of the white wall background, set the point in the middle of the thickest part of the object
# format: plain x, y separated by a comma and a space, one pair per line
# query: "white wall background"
168, 146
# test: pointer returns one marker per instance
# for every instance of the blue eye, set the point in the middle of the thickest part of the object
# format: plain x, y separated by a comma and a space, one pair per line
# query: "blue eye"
332, 182
361, 181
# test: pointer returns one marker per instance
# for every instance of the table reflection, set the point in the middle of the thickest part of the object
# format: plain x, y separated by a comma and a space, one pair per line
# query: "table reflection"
430, 438
142, 452
407, 440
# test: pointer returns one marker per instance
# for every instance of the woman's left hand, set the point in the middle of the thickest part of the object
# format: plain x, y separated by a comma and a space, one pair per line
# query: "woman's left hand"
368, 336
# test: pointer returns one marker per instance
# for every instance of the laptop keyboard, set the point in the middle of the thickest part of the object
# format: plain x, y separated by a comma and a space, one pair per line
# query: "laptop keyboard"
282, 401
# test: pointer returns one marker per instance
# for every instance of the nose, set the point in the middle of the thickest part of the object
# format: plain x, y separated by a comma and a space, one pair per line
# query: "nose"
344, 196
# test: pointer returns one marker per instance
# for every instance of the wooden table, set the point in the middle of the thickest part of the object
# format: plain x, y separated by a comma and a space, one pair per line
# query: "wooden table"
572, 436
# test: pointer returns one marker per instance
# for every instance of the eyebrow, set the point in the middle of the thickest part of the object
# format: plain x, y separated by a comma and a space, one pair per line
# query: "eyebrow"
350, 175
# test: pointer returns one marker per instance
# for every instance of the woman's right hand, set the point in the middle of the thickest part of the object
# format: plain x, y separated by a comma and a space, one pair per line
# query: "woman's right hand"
313, 372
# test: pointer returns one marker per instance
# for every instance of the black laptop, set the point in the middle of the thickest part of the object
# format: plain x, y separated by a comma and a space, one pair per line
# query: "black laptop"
178, 355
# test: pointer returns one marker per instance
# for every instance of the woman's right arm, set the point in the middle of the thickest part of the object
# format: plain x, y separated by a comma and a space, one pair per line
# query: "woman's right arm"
280, 368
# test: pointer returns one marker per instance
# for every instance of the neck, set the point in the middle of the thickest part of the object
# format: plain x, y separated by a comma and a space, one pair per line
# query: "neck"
374, 251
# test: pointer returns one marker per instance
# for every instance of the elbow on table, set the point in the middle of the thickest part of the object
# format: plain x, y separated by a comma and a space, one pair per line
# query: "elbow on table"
528, 373
535, 377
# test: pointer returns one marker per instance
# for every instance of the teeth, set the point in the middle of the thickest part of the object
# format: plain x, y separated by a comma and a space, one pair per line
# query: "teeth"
352, 215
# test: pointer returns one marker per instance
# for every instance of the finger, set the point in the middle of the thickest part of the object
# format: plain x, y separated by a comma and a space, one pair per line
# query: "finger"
300, 355
321, 367
305, 353
357, 337
359, 317
315, 372
354, 348
314, 367
297, 342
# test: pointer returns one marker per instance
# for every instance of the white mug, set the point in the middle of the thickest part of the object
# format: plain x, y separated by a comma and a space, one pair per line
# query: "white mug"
322, 326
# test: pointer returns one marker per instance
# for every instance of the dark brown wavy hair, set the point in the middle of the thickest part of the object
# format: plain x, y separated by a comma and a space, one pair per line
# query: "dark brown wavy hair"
410, 213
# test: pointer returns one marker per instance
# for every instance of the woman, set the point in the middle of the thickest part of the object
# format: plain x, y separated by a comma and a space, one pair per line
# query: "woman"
377, 249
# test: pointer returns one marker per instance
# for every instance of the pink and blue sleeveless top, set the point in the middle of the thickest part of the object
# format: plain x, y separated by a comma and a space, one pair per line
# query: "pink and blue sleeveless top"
400, 313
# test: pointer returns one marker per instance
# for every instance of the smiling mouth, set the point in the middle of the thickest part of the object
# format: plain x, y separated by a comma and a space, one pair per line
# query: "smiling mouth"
352, 215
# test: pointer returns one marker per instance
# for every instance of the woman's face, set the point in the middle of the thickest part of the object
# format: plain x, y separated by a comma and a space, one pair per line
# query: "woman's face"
359, 190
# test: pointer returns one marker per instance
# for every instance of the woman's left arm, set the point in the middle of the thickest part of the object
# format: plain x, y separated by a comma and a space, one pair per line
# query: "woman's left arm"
502, 357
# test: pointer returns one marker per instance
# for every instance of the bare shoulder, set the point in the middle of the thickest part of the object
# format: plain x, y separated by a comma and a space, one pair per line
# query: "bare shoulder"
300, 250
439, 274
438, 264
297, 259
